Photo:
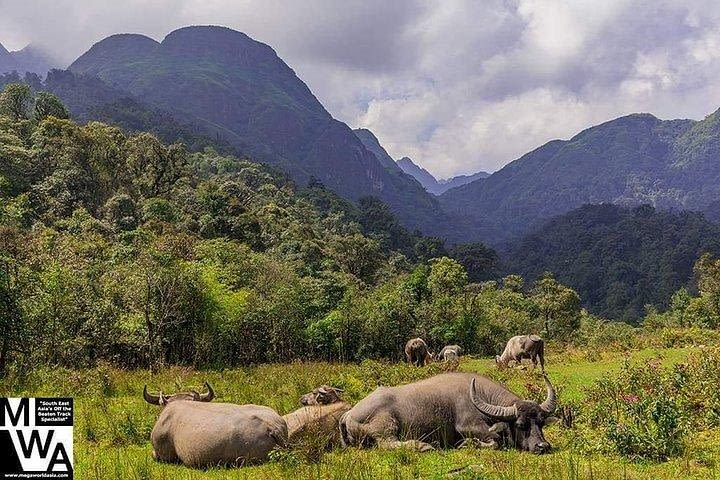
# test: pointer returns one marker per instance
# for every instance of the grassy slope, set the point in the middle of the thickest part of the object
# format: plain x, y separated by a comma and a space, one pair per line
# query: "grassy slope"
113, 423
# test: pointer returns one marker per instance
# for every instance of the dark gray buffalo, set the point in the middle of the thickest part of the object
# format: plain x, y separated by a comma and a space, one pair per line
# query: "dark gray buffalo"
448, 410
523, 346
417, 352
197, 433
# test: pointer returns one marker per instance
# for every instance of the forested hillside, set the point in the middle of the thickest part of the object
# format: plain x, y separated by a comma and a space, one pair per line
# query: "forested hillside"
89, 99
118, 247
618, 259
633, 160
238, 90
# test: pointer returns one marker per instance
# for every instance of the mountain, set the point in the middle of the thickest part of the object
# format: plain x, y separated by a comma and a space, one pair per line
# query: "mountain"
632, 160
618, 259
418, 173
35, 60
29, 59
459, 180
90, 99
370, 141
239, 90
7, 62
430, 183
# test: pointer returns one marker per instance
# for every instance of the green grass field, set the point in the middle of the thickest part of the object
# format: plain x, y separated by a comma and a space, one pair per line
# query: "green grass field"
113, 422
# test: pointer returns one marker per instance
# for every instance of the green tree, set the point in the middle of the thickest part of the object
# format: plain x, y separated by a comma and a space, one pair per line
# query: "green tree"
16, 101
154, 167
11, 319
47, 104
559, 306
355, 254
514, 283
707, 270
479, 260
427, 248
447, 277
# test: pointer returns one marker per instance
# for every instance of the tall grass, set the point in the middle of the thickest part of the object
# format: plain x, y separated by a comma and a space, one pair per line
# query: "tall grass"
113, 423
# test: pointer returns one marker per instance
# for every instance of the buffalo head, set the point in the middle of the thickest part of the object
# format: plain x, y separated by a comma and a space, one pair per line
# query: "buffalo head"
324, 395
192, 395
525, 419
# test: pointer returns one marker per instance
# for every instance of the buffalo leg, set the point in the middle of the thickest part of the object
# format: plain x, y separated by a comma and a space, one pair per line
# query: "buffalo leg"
476, 442
479, 435
393, 443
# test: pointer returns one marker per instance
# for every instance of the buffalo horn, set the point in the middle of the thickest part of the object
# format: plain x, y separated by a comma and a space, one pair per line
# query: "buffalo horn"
494, 411
151, 399
549, 404
206, 397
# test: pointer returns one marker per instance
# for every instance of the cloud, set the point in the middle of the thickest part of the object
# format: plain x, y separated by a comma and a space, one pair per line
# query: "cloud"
457, 85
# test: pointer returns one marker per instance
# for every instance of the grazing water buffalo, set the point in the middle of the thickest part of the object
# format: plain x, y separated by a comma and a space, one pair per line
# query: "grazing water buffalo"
417, 352
319, 417
200, 434
523, 346
449, 409
450, 353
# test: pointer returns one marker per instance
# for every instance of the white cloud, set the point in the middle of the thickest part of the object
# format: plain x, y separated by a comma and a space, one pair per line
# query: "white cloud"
458, 85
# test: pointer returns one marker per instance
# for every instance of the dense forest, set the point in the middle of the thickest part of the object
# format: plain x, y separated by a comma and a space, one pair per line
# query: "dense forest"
619, 260
119, 247
122, 248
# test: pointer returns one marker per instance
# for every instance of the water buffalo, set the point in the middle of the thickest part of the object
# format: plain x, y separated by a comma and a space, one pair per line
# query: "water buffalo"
318, 418
200, 434
523, 346
450, 353
449, 409
417, 352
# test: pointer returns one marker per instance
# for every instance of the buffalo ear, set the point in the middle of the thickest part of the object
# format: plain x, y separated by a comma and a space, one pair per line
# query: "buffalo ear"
550, 420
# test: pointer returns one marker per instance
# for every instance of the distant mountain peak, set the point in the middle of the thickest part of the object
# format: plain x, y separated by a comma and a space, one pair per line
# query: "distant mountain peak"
32, 59
433, 185
371, 142
116, 48
199, 32
426, 179
125, 40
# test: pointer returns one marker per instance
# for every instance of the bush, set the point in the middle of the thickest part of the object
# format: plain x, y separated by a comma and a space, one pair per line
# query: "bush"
640, 412
646, 411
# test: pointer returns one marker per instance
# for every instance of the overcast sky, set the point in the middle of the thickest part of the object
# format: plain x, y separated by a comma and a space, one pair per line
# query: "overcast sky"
458, 86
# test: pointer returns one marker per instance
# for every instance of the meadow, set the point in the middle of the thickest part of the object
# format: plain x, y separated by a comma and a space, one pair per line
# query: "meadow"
113, 422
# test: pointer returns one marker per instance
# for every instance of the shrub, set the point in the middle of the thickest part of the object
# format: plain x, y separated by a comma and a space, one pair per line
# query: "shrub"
640, 412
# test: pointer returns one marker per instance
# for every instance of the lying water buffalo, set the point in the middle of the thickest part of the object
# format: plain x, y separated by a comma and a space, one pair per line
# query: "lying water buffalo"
450, 353
449, 409
523, 346
200, 434
417, 352
319, 417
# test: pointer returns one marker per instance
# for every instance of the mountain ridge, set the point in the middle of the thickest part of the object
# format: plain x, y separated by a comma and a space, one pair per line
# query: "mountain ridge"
240, 90
630, 160
28, 59
433, 185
